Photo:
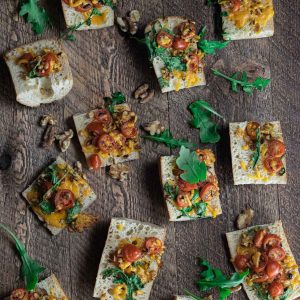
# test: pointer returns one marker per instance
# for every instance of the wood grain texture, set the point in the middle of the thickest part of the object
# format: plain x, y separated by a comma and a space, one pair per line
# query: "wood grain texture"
104, 61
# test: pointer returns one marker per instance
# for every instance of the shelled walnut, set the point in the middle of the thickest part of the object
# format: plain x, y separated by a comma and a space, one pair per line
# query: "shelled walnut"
144, 93
119, 171
154, 127
64, 139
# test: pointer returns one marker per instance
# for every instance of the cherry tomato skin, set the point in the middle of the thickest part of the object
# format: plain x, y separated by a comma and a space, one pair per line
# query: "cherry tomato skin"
131, 253
18, 294
271, 240
95, 127
182, 200
64, 199
251, 130
262, 278
236, 5
241, 262
164, 39
273, 164
187, 30
275, 289
185, 186
106, 143
98, 5
103, 116
276, 148
84, 7
259, 237
208, 192
95, 162
180, 44
273, 268
193, 62
153, 245
47, 63
262, 263
129, 130
276, 253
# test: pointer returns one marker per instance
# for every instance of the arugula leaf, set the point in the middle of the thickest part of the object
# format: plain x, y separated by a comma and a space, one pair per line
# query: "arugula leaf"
201, 111
30, 269
52, 174
116, 98
248, 87
171, 190
256, 154
209, 47
73, 212
166, 138
36, 15
33, 73
46, 207
188, 161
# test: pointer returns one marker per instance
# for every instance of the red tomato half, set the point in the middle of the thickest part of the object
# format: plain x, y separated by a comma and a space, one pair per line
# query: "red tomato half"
273, 269
275, 289
164, 39
208, 192
129, 130
182, 200
18, 294
187, 30
95, 162
153, 245
64, 199
193, 62
106, 143
251, 130
180, 44
185, 186
95, 127
259, 237
273, 164
276, 253
276, 148
48, 61
271, 240
262, 278
103, 116
131, 253
241, 262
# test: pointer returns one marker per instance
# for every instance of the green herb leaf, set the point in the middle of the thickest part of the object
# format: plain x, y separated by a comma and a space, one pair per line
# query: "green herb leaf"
166, 138
116, 98
256, 154
171, 190
163, 82
248, 87
192, 295
46, 207
73, 212
30, 269
209, 47
110, 3
188, 161
35, 15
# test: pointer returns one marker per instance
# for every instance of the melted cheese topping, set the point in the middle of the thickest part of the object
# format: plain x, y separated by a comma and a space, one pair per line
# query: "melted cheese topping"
56, 219
97, 20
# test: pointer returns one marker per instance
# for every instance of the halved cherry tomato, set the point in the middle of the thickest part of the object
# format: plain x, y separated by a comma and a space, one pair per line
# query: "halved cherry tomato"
208, 192
106, 143
251, 129
182, 200
193, 62
273, 164
259, 237
95, 127
95, 162
84, 7
131, 253
46, 67
276, 253
99, 4
262, 278
128, 130
236, 5
263, 260
187, 30
275, 289
64, 199
271, 240
272, 269
241, 262
103, 116
180, 44
185, 186
164, 39
153, 245
18, 294
276, 148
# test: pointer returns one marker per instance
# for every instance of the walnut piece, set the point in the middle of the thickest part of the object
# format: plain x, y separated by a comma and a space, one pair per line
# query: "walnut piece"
154, 127
119, 171
144, 93
245, 218
78, 168
48, 120
49, 136
129, 23
64, 140
82, 222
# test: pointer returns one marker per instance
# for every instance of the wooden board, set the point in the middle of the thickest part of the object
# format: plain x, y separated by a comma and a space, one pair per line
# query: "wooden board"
104, 61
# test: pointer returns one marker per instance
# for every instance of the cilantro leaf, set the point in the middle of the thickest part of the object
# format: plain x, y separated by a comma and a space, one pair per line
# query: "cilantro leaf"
36, 15
188, 161
256, 154
116, 98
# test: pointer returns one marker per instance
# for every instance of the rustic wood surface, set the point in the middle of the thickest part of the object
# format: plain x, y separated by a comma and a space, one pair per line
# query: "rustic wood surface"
104, 61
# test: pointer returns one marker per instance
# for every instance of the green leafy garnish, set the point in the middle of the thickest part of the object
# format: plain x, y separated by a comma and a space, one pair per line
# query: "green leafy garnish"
166, 138
36, 15
171, 190
259, 83
30, 269
163, 82
34, 73
256, 154
199, 207
188, 161
69, 33
110, 3
116, 98
73, 212
202, 111
46, 207
133, 282
52, 174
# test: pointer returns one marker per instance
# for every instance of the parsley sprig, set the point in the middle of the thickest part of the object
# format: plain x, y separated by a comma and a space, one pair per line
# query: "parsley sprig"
256, 154
248, 87
116, 98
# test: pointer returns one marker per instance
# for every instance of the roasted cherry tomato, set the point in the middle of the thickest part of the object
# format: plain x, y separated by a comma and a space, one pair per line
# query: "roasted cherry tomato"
193, 62
182, 200
185, 186
259, 237
187, 30
261, 278
276, 148
103, 116
64, 199
263, 260
128, 130
180, 44
164, 39
236, 5
273, 164
251, 129
97, 4
208, 192
276, 253
271, 240
106, 143
153, 245
46, 67
272, 269
95, 127
18, 294
95, 162
131, 253
84, 7
275, 289
241, 262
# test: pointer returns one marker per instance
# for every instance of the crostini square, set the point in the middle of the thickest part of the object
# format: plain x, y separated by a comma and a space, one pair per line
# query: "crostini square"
247, 19
40, 72
59, 195
257, 153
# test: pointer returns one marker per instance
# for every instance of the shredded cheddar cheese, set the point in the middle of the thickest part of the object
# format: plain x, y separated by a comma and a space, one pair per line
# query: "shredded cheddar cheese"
243, 165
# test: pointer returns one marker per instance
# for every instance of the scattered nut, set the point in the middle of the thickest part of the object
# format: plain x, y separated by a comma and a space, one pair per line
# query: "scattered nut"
119, 171
245, 218
123, 25
134, 16
236, 288
144, 93
132, 26
48, 120
78, 168
49, 136
82, 222
154, 127
129, 22
64, 139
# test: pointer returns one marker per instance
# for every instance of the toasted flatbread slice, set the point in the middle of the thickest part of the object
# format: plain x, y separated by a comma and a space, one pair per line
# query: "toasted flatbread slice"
73, 17
243, 172
233, 239
122, 228
81, 121
232, 32
176, 83
41, 90
85, 194
167, 164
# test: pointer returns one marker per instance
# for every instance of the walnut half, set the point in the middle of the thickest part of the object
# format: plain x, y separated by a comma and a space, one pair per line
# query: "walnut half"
119, 171
64, 139
154, 127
